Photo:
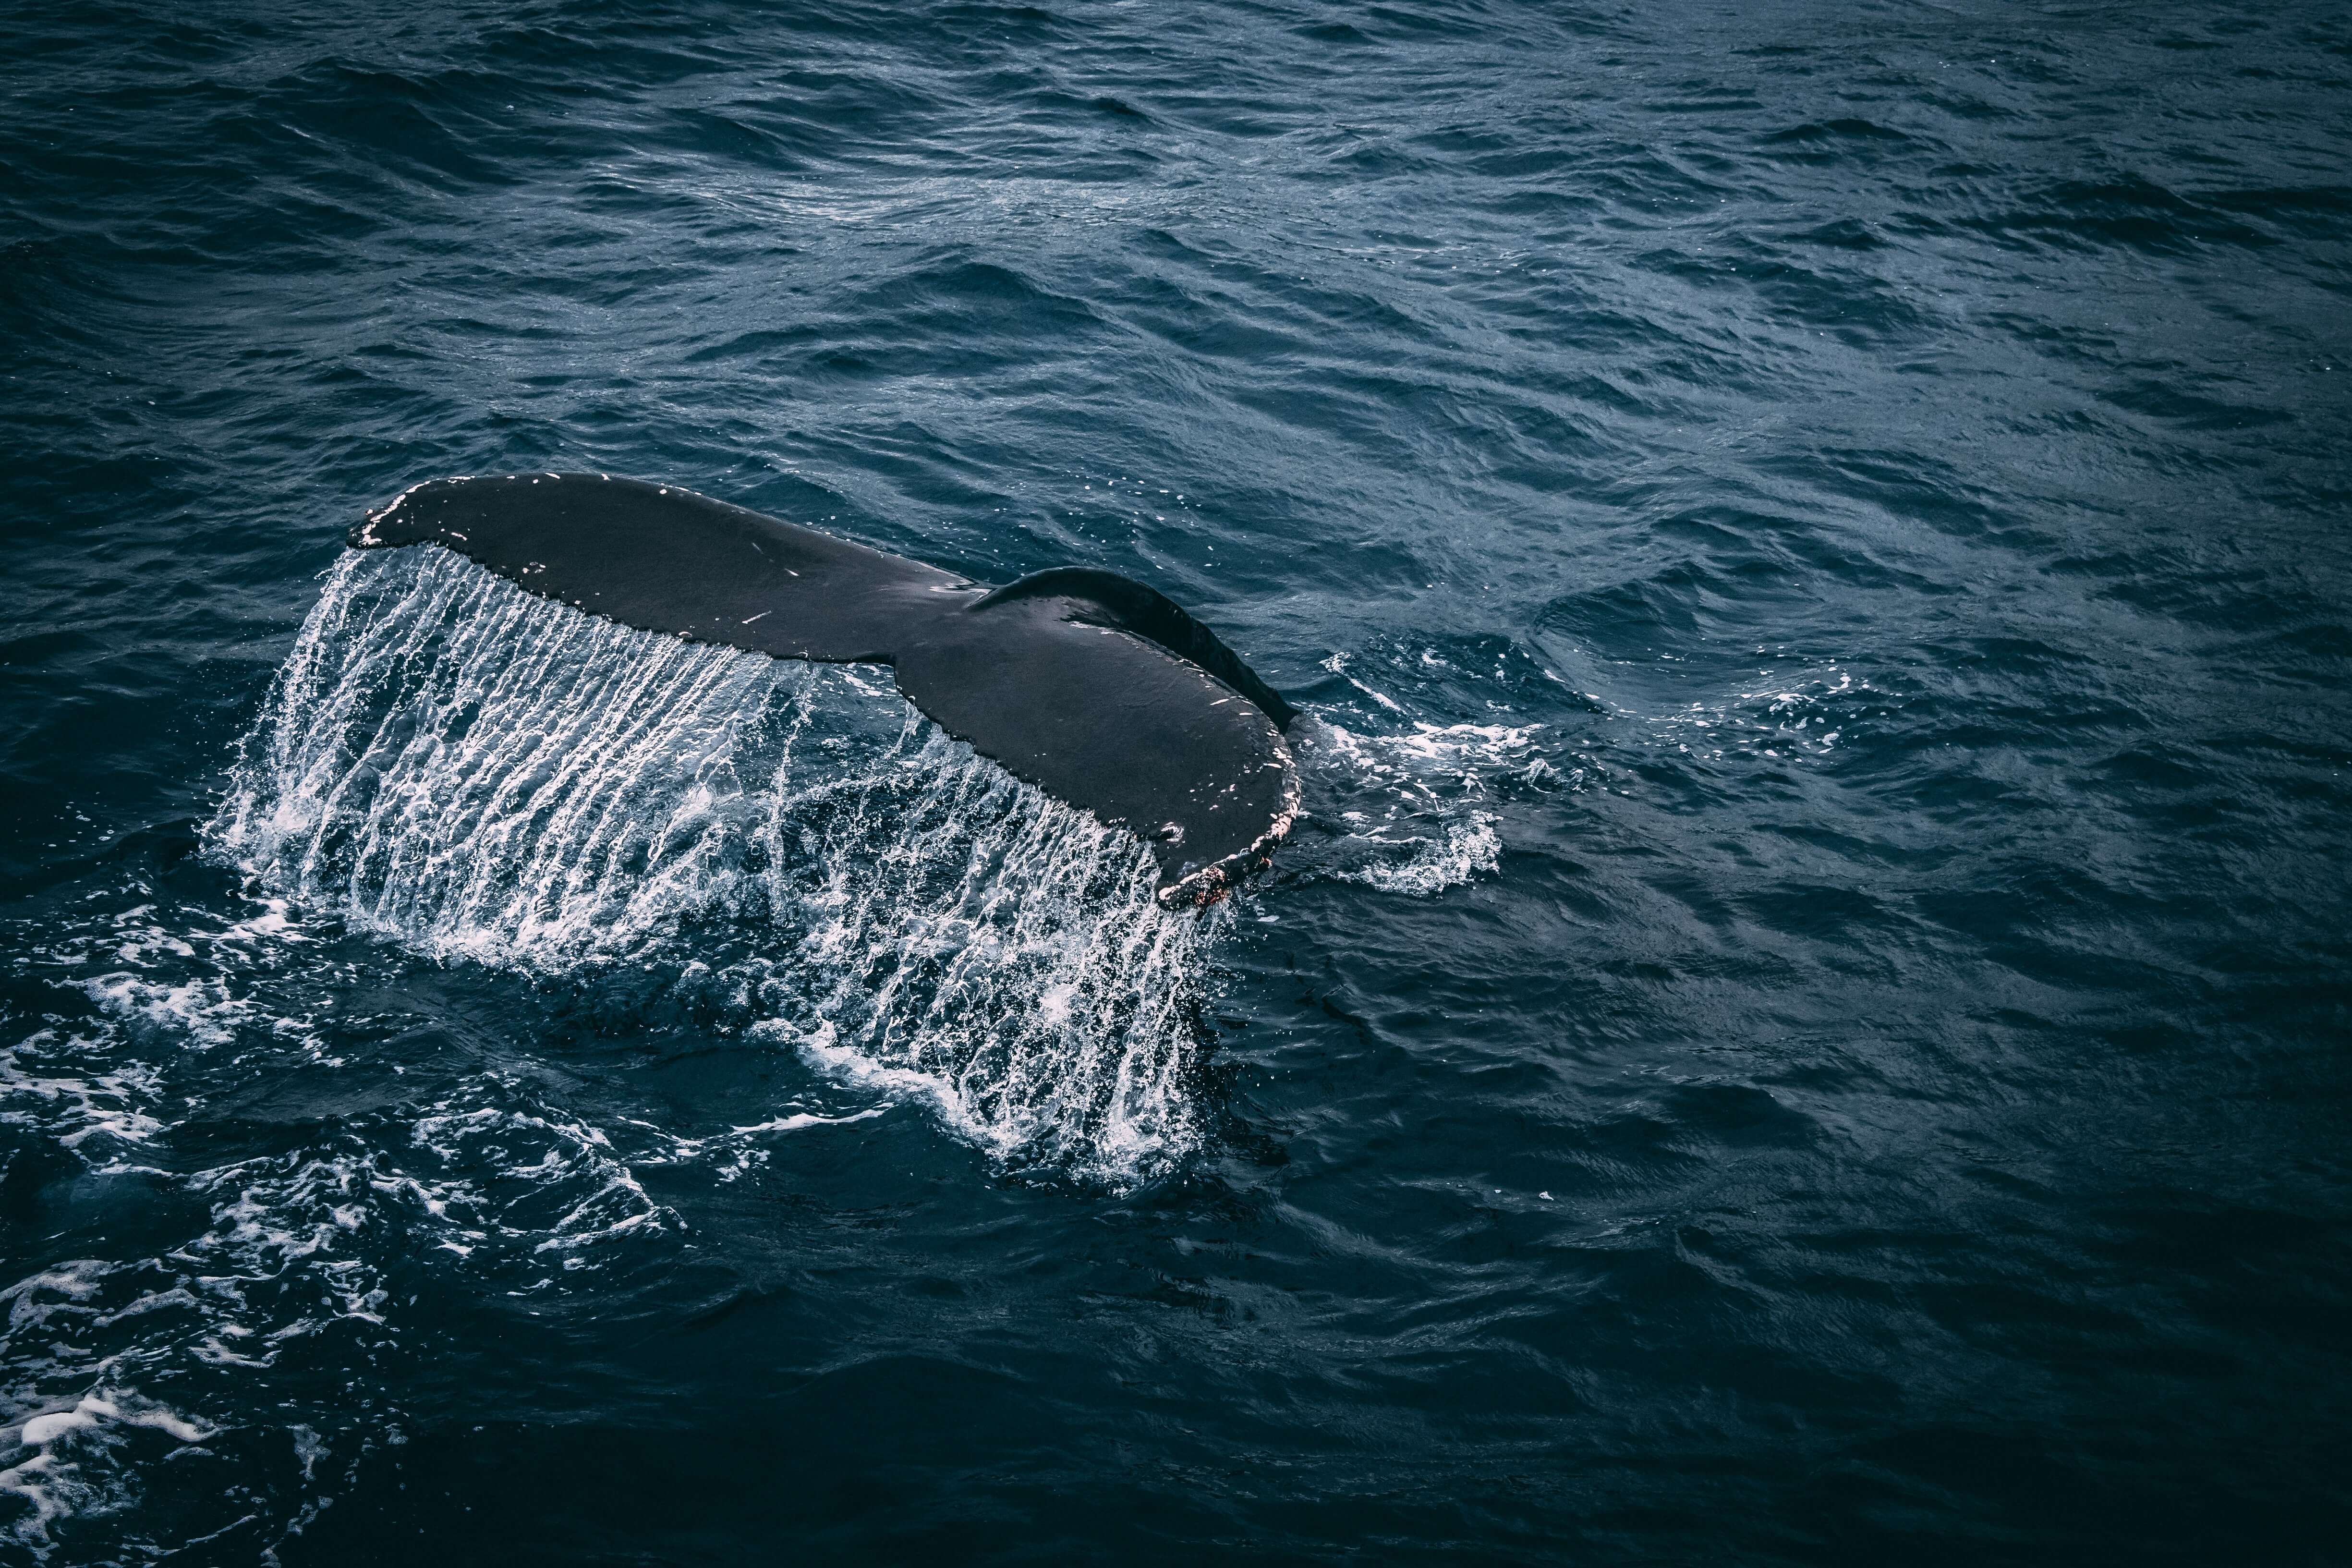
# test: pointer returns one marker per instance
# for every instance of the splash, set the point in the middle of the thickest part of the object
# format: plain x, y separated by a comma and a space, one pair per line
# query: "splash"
483, 775
1422, 866
1408, 812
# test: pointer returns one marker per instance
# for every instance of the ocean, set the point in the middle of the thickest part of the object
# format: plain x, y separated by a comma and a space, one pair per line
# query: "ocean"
1807, 1018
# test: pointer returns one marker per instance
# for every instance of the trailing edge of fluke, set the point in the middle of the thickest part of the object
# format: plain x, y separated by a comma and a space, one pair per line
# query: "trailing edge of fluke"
1089, 685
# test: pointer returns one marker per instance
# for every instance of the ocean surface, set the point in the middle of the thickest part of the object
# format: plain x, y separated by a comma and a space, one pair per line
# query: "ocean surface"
1808, 1018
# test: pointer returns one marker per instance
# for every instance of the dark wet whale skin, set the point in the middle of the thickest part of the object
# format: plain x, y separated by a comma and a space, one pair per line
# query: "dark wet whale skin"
1094, 687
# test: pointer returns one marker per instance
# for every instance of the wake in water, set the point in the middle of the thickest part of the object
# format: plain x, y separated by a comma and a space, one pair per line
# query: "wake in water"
483, 775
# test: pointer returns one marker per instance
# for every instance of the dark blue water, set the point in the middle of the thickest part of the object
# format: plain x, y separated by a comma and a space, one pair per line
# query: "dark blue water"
1807, 1020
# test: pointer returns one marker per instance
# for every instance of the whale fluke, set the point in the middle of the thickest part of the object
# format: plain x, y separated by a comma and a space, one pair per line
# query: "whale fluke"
1091, 686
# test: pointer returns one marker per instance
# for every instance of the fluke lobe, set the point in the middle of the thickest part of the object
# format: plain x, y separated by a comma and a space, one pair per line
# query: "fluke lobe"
1086, 684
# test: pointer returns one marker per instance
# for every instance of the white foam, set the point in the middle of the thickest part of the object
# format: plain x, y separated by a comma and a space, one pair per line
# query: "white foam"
1792, 719
1338, 665
108, 1102
68, 1471
800, 1120
1415, 803
1465, 754
487, 1179
1430, 866
198, 1012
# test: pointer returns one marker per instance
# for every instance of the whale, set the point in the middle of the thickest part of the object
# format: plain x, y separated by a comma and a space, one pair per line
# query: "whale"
1095, 688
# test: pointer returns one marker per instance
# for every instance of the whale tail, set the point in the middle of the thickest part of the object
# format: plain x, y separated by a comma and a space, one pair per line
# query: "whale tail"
1093, 687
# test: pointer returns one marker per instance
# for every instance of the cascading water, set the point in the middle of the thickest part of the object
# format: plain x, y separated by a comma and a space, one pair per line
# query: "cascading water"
481, 774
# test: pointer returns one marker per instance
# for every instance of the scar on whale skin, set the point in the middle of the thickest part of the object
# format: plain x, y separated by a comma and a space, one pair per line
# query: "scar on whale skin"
1089, 685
